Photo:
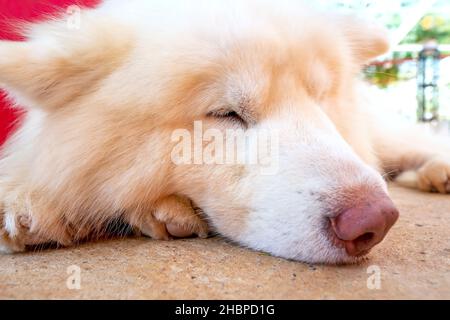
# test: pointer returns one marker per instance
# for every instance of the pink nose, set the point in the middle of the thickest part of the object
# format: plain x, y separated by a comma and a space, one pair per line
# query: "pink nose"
362, 227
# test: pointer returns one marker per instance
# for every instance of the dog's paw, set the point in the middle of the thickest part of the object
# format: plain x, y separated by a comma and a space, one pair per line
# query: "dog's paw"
17, 224
432, 176
14, 229
174, 216
14, 225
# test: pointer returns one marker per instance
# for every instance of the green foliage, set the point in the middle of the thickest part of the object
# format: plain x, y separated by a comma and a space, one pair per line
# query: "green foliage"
431, 26
382, 75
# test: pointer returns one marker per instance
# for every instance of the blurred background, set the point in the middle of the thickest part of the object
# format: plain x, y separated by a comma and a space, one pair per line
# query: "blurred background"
414, 77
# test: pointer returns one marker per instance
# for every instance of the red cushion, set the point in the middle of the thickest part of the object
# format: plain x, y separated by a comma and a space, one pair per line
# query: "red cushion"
29, 10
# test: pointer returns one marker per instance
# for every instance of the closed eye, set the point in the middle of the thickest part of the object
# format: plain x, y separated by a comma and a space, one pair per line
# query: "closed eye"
228, 115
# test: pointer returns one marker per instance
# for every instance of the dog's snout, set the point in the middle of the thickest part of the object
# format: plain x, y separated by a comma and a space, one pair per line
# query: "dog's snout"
364, 225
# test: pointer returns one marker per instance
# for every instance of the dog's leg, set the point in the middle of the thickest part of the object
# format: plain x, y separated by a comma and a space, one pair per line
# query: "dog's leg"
416, 158
27, 214
27, 218
46, 73
173, 216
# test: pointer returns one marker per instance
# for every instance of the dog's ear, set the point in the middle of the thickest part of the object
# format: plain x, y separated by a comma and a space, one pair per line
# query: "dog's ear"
57, 65
366, 39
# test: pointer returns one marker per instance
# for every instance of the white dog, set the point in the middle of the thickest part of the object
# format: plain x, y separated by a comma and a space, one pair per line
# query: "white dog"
104, 98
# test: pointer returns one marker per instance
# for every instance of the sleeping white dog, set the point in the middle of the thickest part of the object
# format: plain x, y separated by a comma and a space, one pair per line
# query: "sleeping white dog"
106, 101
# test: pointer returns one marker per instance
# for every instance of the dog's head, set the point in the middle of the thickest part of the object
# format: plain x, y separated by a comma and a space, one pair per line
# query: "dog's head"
285, 85
254, 115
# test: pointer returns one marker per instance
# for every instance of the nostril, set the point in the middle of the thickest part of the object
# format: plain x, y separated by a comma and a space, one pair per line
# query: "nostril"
365, 238
362, 244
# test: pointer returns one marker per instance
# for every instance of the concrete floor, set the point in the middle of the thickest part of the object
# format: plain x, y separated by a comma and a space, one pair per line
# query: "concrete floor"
414, 262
